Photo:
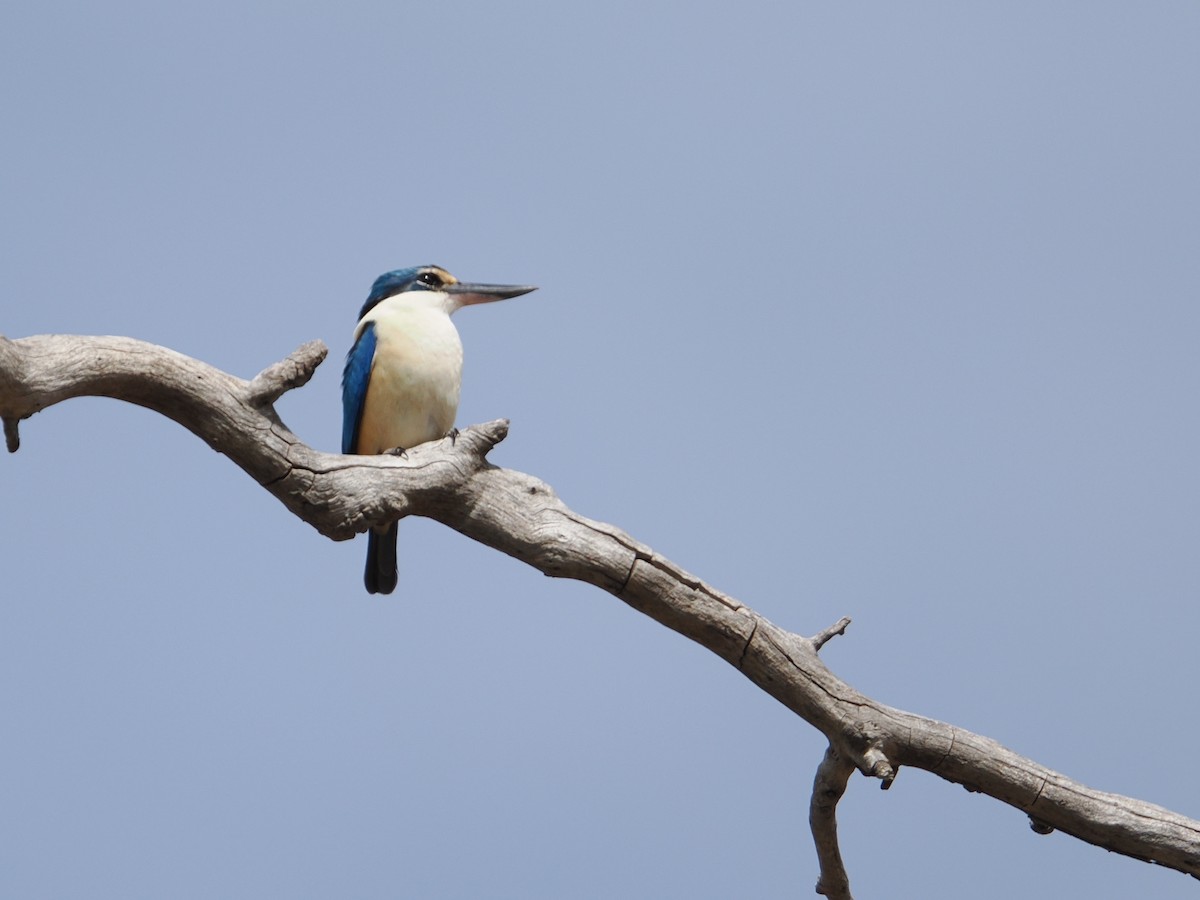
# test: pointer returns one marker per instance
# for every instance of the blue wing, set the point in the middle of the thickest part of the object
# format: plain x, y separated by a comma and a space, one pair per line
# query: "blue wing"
355, 378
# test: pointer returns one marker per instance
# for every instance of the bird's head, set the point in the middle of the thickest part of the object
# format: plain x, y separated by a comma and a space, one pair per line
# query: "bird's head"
435, 279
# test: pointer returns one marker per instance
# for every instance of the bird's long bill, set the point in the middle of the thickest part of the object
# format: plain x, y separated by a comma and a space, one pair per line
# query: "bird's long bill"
486, 293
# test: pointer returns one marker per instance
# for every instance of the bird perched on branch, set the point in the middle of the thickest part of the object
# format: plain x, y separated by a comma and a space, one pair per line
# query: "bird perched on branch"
402, 377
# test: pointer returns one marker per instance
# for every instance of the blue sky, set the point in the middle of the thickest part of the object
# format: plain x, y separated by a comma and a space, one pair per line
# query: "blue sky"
866, 309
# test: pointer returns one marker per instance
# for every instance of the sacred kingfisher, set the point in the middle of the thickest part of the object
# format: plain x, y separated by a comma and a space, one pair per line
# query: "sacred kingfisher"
402, 377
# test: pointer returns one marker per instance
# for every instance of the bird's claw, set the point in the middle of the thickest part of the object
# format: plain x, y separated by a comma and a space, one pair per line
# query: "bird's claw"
453, 435
397, 451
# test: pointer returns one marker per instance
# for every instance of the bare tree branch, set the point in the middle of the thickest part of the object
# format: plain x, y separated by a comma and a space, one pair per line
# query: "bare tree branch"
828, 787
520, 515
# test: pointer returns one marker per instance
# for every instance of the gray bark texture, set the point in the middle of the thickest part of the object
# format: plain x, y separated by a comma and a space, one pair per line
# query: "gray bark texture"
520, 515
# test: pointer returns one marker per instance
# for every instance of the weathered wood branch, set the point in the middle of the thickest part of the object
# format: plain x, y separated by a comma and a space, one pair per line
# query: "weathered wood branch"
828, 787
520, 515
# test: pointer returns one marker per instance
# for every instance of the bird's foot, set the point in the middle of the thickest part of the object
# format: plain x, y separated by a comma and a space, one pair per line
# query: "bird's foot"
397, 451
453, 435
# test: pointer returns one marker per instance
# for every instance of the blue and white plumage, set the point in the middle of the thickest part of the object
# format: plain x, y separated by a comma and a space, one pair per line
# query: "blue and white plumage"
401, 382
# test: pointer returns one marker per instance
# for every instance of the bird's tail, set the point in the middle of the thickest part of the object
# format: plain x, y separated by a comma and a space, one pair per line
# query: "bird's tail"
380, 575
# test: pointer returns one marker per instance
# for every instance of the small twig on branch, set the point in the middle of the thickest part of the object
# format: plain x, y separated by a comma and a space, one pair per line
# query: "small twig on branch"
292, 372
828, 788
822, 638
877, 765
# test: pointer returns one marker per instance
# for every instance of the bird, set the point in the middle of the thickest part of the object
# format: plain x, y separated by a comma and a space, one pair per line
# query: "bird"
401, 383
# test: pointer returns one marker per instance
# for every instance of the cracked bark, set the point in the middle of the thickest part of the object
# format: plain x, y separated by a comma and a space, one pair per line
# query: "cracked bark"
520, 515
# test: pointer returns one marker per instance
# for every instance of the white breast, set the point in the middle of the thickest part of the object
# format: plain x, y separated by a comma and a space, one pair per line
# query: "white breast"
416, 374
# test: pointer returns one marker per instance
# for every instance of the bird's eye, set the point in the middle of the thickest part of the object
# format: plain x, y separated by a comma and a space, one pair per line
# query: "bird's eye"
433, 279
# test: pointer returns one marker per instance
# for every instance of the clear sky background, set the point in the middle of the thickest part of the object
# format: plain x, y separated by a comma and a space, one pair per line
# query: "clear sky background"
870, 309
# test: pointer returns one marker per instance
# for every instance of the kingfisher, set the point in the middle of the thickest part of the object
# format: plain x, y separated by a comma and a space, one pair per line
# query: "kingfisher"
401, 382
